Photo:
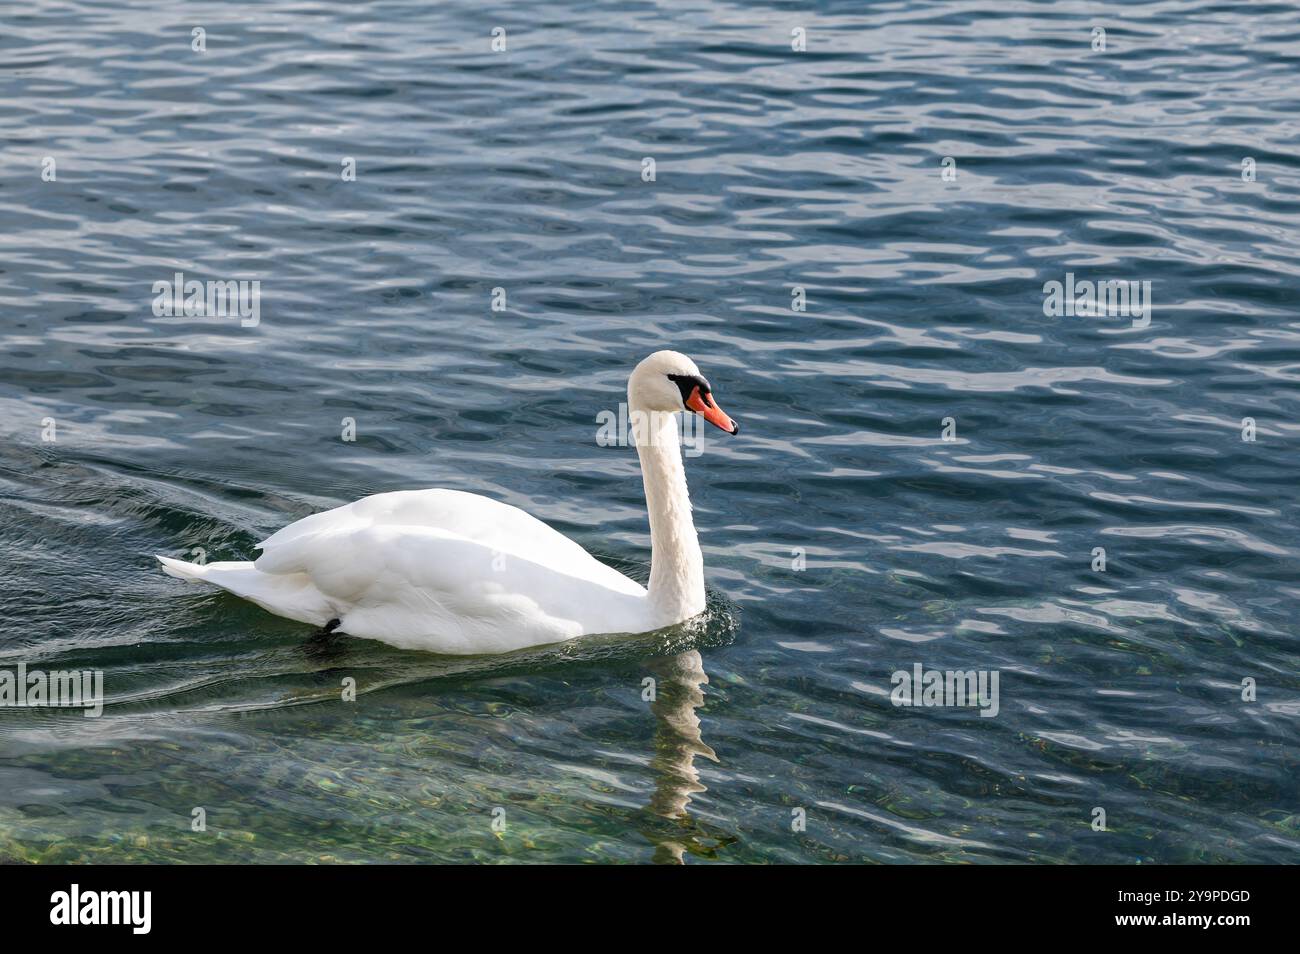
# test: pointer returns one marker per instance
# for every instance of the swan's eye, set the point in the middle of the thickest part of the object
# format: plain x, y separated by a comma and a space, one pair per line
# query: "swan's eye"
687, 383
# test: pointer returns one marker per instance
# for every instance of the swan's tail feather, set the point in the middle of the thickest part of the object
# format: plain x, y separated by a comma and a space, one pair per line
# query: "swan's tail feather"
285, 594
193, 572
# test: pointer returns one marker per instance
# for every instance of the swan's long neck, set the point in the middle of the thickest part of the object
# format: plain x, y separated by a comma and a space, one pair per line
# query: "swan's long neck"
676, 566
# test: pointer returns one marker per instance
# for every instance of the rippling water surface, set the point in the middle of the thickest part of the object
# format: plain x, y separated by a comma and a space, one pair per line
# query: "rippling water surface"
845, 537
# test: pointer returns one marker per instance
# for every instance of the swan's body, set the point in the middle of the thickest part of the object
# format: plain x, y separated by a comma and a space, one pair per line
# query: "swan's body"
433, 569
453, 572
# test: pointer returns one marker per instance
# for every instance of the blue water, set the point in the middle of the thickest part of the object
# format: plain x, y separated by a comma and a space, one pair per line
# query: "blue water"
845, 538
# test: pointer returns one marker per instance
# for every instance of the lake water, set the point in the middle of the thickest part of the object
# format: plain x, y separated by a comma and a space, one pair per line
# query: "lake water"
929, 468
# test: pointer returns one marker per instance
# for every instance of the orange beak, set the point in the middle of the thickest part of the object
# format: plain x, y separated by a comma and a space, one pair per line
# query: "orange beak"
703, 403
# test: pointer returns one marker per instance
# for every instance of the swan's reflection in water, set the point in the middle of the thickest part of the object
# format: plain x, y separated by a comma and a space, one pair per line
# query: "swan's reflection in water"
679, 691
677, 741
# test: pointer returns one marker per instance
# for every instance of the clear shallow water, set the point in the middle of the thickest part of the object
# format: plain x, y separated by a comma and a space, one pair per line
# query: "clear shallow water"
522, 170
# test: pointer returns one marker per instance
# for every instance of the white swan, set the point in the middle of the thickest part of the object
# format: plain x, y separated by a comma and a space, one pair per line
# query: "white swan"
453, 572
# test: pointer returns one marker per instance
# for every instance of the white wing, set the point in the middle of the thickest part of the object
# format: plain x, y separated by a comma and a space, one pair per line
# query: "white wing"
452, 572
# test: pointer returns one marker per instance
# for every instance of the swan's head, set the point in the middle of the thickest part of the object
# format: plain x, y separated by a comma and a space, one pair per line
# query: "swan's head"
669, 382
